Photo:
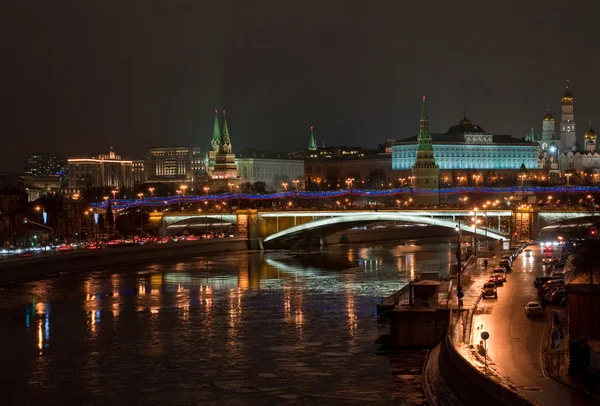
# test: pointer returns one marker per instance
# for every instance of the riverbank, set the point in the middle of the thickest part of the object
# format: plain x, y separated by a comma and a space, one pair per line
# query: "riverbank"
56, 264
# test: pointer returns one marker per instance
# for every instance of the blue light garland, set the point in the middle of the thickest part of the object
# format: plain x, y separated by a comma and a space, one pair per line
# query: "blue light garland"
160, 201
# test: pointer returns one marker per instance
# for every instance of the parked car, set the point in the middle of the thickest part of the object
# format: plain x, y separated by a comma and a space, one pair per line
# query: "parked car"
528, 252
500, 272
489, 289
506, 265
533, 309
559, 297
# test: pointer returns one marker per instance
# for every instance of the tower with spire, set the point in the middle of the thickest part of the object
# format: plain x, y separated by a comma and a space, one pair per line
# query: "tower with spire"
548, 134
425, 171
211, 156
312, 145
589, 138
568, 136
225, 166
531, 137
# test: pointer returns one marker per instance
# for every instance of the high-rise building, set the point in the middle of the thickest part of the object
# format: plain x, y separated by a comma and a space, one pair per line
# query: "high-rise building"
425, 171
568, 137
38, 164
172, 165
139, 172
101, 170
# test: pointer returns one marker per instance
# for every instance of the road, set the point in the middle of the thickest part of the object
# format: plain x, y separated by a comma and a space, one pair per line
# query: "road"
515, 342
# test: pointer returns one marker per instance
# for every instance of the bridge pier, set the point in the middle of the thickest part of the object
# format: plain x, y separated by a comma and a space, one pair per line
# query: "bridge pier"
248, 225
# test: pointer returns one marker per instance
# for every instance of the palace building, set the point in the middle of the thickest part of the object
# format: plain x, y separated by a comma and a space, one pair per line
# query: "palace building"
467, 154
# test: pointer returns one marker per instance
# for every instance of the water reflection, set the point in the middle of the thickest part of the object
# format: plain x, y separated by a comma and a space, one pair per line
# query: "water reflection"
240, 314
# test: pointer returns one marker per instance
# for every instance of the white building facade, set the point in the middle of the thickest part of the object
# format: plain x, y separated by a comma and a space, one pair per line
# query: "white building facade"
277, 171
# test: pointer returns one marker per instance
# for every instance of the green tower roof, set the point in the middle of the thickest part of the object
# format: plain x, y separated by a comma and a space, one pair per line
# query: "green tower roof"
225, 140
424, 138
312, 145
216, 138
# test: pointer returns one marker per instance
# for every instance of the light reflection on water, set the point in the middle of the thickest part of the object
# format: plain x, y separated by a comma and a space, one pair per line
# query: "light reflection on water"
250, 316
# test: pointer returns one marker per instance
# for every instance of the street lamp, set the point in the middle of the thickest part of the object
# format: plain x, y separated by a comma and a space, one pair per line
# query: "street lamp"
206, 189
114, 193
183, 188
285, 185
151, 190
475, 231
296, 183
568, 176
349, 183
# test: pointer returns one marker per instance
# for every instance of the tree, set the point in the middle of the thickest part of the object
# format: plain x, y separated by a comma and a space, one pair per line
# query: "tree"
110, 218
260, 187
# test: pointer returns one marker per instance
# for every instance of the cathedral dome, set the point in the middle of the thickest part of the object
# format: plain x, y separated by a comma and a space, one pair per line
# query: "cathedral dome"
590, 134
548, 117
567, 96
464, 126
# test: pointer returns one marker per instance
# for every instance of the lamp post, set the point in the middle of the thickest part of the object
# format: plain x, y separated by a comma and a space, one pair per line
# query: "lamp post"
141, 195
206, 189
114, 193
349, 183
296, 183
568, 175
151, 190
475, 231
458, 267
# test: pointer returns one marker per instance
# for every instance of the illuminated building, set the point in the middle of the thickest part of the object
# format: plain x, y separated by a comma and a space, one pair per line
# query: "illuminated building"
568, 138
178, 165
468, 155
221, 172
101, 170
583, 165
277, 171
139, 172
225, 166
45, 172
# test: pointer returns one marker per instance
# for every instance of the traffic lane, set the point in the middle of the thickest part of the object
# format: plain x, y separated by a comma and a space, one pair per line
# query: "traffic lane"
515, 342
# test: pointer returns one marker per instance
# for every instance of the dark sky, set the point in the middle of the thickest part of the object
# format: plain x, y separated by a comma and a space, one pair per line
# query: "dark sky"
80, 76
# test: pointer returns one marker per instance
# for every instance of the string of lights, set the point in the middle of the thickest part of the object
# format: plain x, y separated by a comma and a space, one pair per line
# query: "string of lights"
158, 201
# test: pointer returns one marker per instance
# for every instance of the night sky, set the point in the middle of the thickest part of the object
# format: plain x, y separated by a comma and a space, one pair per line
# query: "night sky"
80, 76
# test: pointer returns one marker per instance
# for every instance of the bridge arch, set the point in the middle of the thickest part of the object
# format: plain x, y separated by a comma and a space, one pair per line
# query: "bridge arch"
344, 222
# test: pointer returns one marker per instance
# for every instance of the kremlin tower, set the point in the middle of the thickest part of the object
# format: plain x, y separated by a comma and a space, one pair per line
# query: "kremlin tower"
425, 171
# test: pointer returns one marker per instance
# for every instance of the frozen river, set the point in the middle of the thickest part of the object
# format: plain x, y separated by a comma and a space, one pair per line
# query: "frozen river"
240, 328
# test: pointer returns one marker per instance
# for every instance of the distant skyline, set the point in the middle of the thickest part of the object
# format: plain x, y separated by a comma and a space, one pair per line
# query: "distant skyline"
84, 76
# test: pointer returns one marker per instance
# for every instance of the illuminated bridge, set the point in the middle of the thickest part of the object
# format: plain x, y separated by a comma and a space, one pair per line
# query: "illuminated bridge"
287, 227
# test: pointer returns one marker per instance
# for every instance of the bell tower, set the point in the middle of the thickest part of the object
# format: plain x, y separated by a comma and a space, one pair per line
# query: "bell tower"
567, 121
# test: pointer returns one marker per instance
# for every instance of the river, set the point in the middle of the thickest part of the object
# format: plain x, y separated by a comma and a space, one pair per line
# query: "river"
237, 328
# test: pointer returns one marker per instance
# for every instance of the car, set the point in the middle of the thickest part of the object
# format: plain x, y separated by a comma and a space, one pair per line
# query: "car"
496, 280
489, 289
533, 309
548, 249
506, 265
559, 298
499, 272
528, 252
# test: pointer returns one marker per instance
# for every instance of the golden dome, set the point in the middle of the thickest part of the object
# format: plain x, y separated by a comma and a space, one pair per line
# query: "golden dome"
590, 134
567, 96
548, 116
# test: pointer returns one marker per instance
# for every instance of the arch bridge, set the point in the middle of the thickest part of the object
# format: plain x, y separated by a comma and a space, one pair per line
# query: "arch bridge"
287, 227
